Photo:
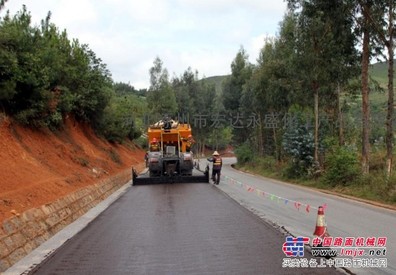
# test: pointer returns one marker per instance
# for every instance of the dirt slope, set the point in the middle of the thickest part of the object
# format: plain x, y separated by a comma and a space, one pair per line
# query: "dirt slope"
39, 166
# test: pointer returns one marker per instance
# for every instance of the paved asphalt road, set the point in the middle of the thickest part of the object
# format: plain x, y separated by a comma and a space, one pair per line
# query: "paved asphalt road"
344, 217
175, 229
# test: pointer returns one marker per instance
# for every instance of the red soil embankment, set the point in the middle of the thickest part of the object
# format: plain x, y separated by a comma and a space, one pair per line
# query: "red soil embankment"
40, 166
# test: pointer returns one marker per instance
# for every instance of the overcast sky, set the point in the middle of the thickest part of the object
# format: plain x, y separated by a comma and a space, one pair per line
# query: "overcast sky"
128, 34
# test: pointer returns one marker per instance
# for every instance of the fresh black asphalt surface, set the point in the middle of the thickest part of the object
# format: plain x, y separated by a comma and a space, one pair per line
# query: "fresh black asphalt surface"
175, 229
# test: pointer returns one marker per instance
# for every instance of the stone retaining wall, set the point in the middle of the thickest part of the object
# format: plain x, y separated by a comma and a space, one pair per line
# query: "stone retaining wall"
21, 234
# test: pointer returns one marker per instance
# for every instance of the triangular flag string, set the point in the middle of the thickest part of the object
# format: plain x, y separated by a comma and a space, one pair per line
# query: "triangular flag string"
272, 197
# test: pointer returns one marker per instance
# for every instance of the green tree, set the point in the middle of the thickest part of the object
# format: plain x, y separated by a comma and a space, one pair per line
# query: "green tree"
365, 7
127, 89
206, 106
268, 92
161, 97
122, 118
388, 40
324, 36
44, 75
241, 71
382, 20
197, 101
25, 80
187, 90
8, 64
365, 12
92, 83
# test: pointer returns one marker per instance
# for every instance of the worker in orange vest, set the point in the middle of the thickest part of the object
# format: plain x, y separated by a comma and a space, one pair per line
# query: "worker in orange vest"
154, 146
190, 141
217, 164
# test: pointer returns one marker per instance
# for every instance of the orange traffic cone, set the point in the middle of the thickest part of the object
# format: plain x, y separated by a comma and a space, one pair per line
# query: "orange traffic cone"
321, 228
321, 232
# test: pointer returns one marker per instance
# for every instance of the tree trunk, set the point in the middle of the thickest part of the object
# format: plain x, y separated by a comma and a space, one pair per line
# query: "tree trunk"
261, 136
365, 97
197, 149
340, 117
276, 151
217, 139
201, 148
389, 116
316, 111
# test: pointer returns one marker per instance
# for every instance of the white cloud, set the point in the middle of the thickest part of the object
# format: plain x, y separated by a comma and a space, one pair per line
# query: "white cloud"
264, 7
80, 14
128, 34
149, 11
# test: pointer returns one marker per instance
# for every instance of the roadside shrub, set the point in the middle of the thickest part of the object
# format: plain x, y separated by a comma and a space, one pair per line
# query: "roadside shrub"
295, 169
375, 186
66, 100
267, 163
244, 153
342, 167
26, 117
392, 188
141, 142
54, 120
298, 143
377, 161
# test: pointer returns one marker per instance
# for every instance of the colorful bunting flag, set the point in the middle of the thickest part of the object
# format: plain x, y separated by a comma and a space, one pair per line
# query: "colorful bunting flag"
297, 205
259, 192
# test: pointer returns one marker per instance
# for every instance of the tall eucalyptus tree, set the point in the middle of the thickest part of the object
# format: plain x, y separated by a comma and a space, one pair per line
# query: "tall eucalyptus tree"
325, 48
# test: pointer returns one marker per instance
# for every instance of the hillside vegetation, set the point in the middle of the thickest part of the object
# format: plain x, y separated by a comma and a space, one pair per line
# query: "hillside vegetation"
379, 72
45, 75
217, 82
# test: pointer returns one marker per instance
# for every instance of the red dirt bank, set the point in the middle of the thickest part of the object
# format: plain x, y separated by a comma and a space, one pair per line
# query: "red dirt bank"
40, 166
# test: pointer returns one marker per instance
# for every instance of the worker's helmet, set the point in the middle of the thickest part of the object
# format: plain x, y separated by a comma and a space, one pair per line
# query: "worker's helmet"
215, 153
154, 140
